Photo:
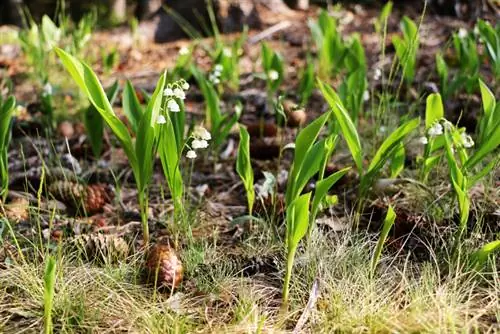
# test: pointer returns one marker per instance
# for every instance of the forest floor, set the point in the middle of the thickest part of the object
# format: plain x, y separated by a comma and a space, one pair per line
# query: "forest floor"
233, 267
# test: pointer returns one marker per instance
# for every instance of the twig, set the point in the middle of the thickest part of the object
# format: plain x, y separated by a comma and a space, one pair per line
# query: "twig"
269, 31
311, 303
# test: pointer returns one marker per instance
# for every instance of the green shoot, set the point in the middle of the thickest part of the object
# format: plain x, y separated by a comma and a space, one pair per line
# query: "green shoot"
386, 228
388, 150
49, 279
244, 167
491, 38
272, 64
306, 85
329, 44
6, 111
407, 47
297, 220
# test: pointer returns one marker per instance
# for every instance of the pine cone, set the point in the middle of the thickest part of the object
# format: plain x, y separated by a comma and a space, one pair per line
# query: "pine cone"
102, 247
163, 261
97, 195
91, 198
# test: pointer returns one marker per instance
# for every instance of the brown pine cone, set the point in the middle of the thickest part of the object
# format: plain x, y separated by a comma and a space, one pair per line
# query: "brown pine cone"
91, 198
163, 261
68, 192
102, 247
97, 195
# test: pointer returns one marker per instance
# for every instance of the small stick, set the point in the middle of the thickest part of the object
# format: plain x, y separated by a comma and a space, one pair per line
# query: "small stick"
311, 303
269, 31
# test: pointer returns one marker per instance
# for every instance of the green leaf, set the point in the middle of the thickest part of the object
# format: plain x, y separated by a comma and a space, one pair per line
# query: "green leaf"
388, 223
434, 110
213, 113
490, 144
398, 161
94, 124
244, 166
307, 157
346, 124
6, 111
479, 257
90, 85
297, 216
131, 106
49, 279
388, 148
491, 116
322, 188
308, 169
170, 159
144, 145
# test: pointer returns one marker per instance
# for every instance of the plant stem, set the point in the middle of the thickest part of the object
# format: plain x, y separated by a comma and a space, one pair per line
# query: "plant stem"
288, 274
144, 203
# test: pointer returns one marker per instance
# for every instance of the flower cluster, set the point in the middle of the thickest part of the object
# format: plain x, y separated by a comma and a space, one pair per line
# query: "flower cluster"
175, 91
201, 136
47, 89
214, 77
183, 51
439, 127
273, 75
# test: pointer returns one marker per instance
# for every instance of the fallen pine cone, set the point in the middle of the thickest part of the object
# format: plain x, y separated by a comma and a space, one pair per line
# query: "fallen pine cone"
102, 247
91, 198
164, 266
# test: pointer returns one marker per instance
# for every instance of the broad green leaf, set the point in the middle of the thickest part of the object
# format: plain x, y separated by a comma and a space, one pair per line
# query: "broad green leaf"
90, 85
304, 145
322, 188
6, 110
386, 227
170, 160
434, 110
94, 123
346, 124
491, 116
131, 106
398, 161
144, 145
306, 138
389, 145
297, 215
308, 169
213, 114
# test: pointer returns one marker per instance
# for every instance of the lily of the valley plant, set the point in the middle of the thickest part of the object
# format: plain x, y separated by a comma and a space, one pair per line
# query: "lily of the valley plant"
158, 127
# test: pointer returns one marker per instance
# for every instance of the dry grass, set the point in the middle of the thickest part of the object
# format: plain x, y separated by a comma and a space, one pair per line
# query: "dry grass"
113, 298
